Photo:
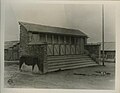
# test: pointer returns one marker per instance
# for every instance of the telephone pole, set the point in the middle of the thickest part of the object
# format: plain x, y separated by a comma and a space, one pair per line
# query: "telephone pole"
103, 53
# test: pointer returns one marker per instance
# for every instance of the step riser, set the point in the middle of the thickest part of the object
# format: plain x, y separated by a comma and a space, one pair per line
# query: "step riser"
56, 58
64, 68
67, 56
68, 62
69, 59
69, 65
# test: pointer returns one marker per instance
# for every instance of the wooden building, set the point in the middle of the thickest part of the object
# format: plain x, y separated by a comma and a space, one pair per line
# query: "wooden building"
11, 50
94, 49
58, 48
109, 50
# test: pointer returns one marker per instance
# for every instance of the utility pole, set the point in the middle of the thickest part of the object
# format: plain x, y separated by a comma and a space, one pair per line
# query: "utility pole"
103, 54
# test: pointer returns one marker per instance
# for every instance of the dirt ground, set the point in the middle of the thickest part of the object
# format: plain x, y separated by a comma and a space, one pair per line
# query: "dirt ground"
81, 78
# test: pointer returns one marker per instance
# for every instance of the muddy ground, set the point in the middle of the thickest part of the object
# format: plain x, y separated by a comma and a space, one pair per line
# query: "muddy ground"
96, 77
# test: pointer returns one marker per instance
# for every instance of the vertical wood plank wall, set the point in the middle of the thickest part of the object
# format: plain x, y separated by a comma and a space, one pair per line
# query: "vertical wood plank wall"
64, 46
55, 38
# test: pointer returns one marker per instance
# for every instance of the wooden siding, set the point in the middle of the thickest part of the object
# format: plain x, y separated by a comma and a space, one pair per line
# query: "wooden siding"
49, 38
82, 45
36, 38
57, 44
12, 54
109, 56
93, 49
55, 39
24, 40
63, 49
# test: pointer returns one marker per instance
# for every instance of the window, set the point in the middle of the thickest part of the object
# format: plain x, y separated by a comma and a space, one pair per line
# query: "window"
72, 40
62, 39
49, 38
68, 39
30, 37
77, 40
55, 38
42, 37
33, 37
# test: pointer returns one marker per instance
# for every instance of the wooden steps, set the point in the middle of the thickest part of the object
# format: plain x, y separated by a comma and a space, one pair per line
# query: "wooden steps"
73, 67
69, 62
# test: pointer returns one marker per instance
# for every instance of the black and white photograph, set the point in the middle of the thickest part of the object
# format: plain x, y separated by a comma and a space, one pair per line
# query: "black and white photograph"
59, 46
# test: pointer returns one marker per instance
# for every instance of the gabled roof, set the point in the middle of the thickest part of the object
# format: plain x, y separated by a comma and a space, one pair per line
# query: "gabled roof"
49, 29
9, 44
109, 46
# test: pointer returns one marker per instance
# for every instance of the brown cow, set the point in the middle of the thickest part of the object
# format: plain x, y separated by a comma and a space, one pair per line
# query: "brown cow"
30, 61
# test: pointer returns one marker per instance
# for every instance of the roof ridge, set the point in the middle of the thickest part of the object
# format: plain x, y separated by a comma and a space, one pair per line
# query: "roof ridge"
48, 25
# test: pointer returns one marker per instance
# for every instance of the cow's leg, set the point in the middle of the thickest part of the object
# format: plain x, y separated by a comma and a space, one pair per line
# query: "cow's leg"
33, 67
39, 69
20, 65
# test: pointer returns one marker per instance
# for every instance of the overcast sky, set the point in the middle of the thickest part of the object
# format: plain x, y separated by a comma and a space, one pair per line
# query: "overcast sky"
85, 17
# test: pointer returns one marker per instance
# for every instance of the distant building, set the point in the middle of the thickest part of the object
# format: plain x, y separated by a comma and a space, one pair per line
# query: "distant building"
11, 50
56, 47
109, 50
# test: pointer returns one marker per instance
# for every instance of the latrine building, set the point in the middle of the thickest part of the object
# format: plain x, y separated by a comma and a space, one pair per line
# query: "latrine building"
58, 48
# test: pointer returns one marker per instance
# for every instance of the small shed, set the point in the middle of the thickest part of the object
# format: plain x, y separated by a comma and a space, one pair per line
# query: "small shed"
109, 50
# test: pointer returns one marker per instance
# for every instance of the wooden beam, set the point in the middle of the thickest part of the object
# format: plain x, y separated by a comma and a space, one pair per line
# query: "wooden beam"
39, 37
81, 48
46, 37
52, 38
59, 49
70, 44
75, 44
58, 39
59, 45
85, 40
70, 39
65, 44
64, 39
74, 40
53, 48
